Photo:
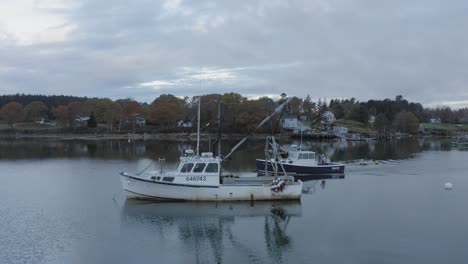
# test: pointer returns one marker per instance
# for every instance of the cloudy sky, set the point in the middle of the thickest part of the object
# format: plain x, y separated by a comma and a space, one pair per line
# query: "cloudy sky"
326, 48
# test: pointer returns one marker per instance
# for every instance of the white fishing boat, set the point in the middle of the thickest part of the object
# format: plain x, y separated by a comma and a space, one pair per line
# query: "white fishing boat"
199, 177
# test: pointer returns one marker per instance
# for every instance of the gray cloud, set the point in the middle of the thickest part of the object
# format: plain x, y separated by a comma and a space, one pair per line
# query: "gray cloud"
363, 49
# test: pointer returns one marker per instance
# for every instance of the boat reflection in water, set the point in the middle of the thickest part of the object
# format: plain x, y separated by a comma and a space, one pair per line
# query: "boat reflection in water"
213, 232
310, 183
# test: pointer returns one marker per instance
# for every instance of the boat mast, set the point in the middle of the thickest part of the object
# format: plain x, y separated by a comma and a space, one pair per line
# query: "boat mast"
219, 128
300, 145
198, 126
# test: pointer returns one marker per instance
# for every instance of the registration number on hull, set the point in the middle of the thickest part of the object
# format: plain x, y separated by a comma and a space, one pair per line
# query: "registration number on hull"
195, 178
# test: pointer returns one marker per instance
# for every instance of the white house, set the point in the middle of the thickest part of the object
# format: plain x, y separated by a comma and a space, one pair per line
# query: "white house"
290, 122
328, 116
435, 121
81, 121
136, 120
184, 124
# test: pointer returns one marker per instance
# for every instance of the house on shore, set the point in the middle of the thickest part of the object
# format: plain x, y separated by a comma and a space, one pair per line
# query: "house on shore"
328, 117
186, 124
435, 121
290, 122
81, 121
136, 121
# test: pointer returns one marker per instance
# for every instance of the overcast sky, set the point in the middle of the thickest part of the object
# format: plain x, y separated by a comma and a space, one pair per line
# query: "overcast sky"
365, 49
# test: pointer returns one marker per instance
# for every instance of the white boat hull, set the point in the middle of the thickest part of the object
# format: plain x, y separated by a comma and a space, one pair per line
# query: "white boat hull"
139, 188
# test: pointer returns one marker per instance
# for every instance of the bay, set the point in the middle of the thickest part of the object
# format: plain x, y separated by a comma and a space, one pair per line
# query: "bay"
60, 202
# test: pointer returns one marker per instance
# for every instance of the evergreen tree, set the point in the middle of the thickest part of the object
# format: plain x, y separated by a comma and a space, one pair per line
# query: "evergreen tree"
92, 121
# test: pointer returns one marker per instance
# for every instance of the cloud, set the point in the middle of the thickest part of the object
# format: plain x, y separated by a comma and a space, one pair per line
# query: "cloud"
333, 49
29, 22
156, 84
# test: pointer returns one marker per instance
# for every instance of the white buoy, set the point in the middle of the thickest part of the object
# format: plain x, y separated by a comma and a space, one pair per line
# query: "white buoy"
448, 186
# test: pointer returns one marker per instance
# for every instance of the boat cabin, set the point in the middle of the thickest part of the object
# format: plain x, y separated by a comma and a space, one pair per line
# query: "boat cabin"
203, 164
301, 155
296, 154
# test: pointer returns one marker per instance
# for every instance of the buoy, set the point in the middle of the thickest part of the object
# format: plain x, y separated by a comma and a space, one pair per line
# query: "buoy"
448, 186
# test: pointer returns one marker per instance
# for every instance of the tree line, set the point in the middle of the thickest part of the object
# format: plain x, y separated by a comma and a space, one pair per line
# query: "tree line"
239, 113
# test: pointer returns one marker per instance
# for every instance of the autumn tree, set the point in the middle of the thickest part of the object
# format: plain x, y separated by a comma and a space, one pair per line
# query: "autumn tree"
12, 112
67, 115
74, 112
406, 122
89, 106
61, 114
252, 112
231, 105
166, 110
209, 109
100, 109
131, 108
113, 113
144, 110
35, 110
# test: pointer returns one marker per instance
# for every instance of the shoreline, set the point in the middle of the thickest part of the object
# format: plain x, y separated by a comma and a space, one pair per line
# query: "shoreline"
181, 137
130, 136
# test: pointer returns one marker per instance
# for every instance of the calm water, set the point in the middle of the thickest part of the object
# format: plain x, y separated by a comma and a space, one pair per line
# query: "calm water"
57, 206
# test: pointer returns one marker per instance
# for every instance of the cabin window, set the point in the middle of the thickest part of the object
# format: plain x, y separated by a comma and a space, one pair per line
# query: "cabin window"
311, 156
199, 167
212, 167
168, 179
300, 156
187, 167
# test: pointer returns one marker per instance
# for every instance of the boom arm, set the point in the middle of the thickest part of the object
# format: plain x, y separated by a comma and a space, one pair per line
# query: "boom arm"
279, 108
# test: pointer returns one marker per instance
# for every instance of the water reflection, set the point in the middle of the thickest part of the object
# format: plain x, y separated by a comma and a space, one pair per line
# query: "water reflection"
312, 183
208, 230
242, 160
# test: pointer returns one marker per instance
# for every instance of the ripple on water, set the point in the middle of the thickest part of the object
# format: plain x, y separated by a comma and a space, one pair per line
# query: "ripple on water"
32, 235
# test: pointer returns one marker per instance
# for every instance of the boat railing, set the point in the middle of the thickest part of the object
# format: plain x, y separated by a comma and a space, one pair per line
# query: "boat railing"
255, 180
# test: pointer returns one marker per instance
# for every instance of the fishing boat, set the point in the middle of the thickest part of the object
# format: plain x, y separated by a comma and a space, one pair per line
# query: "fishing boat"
199, 177
295, 161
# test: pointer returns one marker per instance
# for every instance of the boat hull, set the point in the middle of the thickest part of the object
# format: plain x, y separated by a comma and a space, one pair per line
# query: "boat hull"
301, 170
138, 188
